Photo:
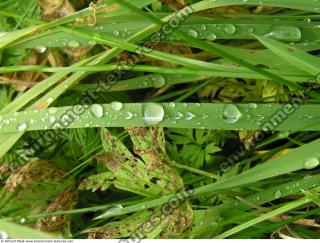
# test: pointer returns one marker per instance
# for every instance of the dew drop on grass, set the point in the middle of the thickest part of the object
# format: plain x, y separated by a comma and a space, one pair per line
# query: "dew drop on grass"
128, 115
189, 116
193, 33
250, 29
97, 110
113, 209
41, 49
277, 194
158, 81
203, 27
73, 44
22, 127
231, 113
177, 115
285, 33
116, 105
230, 29
143, 207
116, 32
211, 37
52, 119
172, 105
252, 105
311, 163
152, 113
49, 100
307, 117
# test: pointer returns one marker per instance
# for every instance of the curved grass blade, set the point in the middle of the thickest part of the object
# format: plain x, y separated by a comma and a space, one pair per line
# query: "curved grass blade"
295, 56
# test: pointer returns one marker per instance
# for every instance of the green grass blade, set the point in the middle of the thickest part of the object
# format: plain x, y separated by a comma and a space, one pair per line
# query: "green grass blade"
294, 56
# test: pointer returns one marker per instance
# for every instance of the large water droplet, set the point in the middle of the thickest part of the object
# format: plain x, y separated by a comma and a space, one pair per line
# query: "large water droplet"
230, 29
193, 33
311, 163
152, 113
116, 105
97, 110
158, 81
231, 113
285, 33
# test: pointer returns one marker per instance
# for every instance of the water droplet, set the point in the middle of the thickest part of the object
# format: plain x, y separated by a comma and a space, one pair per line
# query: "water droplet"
307, 117
52, 119
177, 115
203, 27
277, 194
158, 81
211, 37
49, 100
97, 110
311, 163
231, 113
22, 220
285, 33
41, 49
116, 32
189, 116
113, 209
250, 29
116, 105
193, 33
74, 44
22, 127
252, 105
172, 105
152, 113
230, 29
128, 115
